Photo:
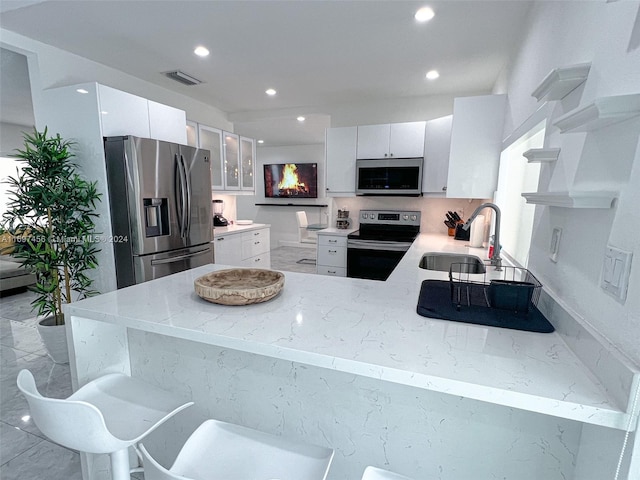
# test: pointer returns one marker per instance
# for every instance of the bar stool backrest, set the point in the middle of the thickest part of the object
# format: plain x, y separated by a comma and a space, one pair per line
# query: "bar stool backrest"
71, 423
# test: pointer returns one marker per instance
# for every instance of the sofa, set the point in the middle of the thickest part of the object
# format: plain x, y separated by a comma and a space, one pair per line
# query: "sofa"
13, 275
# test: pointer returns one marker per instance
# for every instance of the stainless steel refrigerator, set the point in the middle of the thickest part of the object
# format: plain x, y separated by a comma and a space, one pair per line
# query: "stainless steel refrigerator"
160, 203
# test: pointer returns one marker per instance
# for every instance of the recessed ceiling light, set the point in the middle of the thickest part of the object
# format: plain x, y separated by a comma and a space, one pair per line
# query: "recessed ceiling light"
260, 141
424, 14
432, 74
301, 119
82, 90
201, 51
104, 112
270, 91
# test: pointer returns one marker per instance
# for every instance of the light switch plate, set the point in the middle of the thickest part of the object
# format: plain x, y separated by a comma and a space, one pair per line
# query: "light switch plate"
615, 272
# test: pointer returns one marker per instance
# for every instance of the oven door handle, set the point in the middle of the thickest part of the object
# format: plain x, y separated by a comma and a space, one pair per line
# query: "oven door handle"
378, 245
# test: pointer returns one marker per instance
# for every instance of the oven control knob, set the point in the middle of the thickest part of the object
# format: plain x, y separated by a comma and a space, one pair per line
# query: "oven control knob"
406, 217
364, 215
414, 217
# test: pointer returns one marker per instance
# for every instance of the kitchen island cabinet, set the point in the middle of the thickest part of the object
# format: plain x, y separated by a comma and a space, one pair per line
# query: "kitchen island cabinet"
349, 364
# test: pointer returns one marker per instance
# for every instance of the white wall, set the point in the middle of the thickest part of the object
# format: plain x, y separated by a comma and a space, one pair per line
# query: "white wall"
608, 35
50, 67
11, 137
283, 219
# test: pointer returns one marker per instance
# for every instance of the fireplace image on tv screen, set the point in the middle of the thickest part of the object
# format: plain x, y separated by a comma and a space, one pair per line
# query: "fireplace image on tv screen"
291, 180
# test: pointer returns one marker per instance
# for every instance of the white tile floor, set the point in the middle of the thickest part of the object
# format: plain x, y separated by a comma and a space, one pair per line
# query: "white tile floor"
25, 454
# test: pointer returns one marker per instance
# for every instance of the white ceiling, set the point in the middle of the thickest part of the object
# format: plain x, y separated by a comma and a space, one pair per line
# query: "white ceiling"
317, 54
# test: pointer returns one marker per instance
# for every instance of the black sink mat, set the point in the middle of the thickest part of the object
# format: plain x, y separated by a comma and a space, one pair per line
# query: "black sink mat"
435, 302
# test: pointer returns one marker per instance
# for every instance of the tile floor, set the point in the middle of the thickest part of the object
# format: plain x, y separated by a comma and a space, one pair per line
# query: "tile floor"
25, 454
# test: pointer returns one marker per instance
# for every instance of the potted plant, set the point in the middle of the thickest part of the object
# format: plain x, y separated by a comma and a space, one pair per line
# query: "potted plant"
51, 213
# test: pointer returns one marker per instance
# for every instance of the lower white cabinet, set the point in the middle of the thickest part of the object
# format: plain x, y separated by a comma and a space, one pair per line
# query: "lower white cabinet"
332, 255
244, 248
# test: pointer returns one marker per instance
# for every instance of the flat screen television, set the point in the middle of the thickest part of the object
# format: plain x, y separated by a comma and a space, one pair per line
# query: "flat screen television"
291, 180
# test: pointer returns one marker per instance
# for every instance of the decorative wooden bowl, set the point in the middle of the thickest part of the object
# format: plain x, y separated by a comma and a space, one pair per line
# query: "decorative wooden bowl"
239, 286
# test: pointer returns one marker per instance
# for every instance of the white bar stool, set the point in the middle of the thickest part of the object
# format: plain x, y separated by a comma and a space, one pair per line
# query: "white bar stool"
106, 416
374, 473
220, 450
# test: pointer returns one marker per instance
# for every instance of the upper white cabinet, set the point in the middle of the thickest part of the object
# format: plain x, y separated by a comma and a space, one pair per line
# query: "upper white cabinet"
340, 158
395, 140
231, 149
232, 159
437, 145
211, 139
192, 134
122, 113
476, 144
247, 163
167, 123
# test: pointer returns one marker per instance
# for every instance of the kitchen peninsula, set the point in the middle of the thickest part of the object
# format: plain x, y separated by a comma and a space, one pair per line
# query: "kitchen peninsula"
348, 363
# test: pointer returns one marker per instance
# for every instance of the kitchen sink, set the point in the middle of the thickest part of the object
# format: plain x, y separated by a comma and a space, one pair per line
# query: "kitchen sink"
442, 261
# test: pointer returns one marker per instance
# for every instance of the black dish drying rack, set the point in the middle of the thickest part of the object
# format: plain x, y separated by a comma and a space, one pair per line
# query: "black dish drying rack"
514, 289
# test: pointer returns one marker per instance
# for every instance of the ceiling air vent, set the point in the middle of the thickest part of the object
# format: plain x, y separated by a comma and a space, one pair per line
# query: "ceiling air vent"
182, 77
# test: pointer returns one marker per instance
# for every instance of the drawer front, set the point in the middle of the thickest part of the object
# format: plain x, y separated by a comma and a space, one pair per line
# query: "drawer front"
332, 256
255, 243
332, 271
259, 261
332, 240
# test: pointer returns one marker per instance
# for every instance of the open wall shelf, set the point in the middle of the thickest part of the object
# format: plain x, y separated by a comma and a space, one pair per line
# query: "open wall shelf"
602, 112
542, 155
573, 199
562, 81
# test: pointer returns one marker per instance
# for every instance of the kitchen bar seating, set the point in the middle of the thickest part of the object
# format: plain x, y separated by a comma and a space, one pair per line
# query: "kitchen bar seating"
105, 416
220, 450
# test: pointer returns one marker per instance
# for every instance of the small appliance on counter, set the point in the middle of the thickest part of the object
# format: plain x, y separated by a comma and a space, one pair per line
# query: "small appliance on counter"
343, 221
218, 219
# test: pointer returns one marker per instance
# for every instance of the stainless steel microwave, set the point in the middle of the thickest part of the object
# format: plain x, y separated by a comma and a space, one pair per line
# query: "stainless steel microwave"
389, 176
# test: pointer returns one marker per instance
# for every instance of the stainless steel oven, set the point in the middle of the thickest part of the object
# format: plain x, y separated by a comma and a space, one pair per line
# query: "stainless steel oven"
374, 251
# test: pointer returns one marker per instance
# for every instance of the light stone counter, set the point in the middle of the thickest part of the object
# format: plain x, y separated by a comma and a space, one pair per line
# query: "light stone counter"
235, 228
325, 358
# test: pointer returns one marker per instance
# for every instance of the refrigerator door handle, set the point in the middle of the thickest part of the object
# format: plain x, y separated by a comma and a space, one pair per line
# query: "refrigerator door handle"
181, 195
187, 179
180, 257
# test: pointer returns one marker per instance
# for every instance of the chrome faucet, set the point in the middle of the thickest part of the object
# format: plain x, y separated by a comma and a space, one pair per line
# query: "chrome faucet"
496, 259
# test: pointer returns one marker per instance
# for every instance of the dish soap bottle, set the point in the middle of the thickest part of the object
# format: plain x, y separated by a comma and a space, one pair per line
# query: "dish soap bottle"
491, 242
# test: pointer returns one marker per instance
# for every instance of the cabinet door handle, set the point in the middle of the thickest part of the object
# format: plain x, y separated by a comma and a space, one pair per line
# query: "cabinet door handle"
333, 251
331, 271
220, 239
257, 260
256, 243
444, 189
333, 241
257, 233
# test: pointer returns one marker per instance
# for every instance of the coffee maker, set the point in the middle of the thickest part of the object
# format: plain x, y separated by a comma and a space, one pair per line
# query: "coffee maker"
218, 219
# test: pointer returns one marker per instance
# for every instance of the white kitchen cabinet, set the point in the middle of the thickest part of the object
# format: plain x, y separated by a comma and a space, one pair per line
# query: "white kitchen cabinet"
256, 248
247, 163
227, 249
476, 144
250, 248
122, 113
167, 123
192, 134
340, 161
231, 149
437, 145
395, 140
332, 255
211, 139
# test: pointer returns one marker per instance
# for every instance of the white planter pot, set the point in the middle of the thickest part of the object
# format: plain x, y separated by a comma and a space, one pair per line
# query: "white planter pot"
54, 338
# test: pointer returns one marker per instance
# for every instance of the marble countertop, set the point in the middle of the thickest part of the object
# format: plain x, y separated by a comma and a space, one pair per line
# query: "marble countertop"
219, 231
371, 328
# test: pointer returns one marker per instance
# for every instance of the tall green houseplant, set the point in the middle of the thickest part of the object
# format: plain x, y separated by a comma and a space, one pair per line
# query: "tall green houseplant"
51, 212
